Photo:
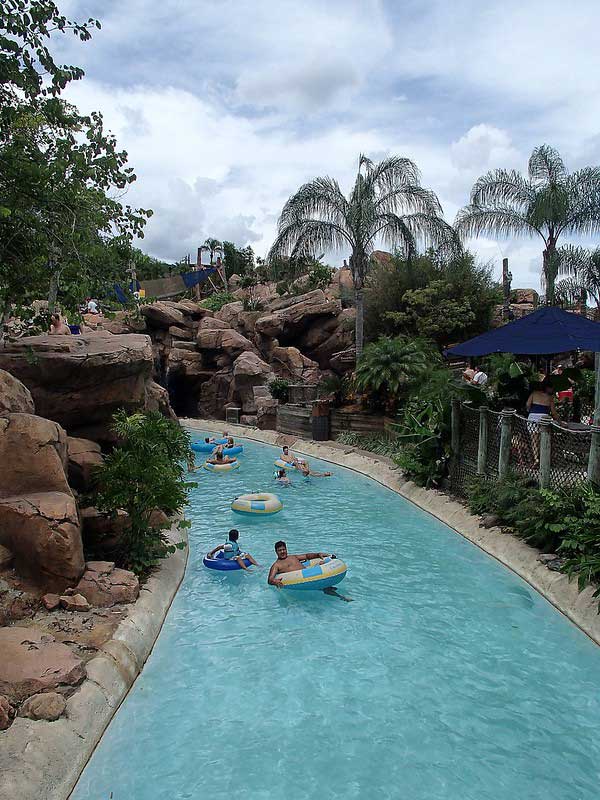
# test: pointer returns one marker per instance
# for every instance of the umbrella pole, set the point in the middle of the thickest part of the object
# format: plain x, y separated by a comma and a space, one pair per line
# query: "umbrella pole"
597, 390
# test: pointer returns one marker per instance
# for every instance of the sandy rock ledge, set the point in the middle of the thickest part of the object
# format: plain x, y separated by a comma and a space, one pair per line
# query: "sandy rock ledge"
42, 760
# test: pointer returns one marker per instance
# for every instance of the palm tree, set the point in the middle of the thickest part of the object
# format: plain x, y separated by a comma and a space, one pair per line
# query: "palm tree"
214, 246
386, 203
582, 270
547, 203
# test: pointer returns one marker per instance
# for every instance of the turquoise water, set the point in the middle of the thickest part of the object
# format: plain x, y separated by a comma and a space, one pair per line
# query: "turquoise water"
446, 678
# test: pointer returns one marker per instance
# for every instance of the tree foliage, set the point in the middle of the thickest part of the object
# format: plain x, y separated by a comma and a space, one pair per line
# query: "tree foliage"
145, 472
549, 202
62, 176
444, 299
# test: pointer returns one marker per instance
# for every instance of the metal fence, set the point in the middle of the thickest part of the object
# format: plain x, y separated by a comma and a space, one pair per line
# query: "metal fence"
491, 444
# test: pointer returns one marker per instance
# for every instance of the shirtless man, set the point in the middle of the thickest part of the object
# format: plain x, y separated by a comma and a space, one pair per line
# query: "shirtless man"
288, 563
291, 459
58, 327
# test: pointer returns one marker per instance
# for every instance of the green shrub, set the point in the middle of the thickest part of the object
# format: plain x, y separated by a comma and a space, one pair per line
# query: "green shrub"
144, 472
216, 301
581, 544
337, 387
279, 389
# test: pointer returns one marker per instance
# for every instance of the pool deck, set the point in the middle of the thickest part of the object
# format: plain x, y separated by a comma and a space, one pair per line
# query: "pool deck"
43, 760
579, 607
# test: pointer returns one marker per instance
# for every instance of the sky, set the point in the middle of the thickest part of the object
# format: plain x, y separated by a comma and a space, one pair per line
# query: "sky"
226, 107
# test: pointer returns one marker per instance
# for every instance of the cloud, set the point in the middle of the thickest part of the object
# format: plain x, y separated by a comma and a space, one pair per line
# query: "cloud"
226, 108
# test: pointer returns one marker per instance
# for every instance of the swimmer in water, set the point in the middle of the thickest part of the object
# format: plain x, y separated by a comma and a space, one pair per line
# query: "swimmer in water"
282, 478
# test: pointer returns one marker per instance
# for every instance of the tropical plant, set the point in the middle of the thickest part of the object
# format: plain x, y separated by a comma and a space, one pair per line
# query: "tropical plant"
388, 367
279, 389
145, 472
549, 202
581, 268
581, 544
386, 203
336, 388
217, 300
381, 444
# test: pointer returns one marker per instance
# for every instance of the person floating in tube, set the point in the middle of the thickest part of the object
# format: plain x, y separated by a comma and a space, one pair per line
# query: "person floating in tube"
290, 563
231, 550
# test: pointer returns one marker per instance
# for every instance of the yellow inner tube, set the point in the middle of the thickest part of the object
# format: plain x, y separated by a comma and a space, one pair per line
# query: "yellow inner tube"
257, 503
226, 467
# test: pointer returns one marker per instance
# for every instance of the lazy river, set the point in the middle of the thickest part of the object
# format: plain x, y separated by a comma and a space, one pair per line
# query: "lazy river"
447, 678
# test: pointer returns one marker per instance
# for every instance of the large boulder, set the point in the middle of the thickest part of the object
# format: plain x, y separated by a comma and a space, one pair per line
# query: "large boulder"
289, 363
331, 336
163, 314
104, 585
80, 381
214, 394
42, 532
124, 322
157, 399
14, 396
213, 324
229, 313
290, 316
223, 342
249, 371
33, 454
33, 661
85, 456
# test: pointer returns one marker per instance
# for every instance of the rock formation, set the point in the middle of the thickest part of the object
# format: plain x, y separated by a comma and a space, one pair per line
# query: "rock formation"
39, 522
80, 381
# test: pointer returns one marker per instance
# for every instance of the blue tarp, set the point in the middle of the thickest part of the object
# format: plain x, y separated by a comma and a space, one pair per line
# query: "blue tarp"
197, 276
545, 331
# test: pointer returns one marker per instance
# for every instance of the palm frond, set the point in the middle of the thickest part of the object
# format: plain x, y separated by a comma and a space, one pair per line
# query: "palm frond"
546, 165
307, 237
409, 198
321, 197
474, 220
391, 173
502, 187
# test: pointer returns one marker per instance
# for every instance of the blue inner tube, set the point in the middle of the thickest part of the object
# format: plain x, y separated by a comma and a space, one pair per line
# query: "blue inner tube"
233, 451
203, 447
219, 562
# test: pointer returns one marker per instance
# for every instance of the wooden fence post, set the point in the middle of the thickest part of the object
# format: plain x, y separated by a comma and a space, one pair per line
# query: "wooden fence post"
593, 470
545, 451
483, 441
505, 442
455, 441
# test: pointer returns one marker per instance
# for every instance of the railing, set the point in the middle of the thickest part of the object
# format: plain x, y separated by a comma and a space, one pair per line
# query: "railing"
489, 443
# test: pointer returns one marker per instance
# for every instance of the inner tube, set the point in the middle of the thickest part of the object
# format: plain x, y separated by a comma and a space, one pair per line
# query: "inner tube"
228, 466
219, 562
204, 447
319, 573
233, 451
284, 464
221, 441
258, 503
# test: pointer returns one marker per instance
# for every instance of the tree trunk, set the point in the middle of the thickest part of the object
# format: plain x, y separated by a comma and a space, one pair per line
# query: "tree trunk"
550, 266
5, 316
359, 336
53, 290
